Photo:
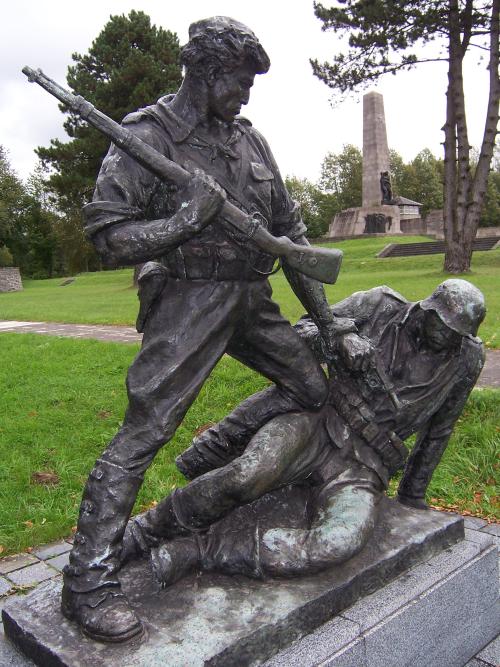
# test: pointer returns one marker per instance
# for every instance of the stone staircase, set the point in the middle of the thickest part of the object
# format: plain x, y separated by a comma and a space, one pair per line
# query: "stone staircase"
433, 247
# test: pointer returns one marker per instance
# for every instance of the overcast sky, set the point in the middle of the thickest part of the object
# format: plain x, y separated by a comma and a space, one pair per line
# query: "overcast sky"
289, 105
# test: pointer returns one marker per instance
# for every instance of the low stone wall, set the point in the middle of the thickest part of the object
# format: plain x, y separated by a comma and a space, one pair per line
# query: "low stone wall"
10, 279
487, 231
413, 226
435, 224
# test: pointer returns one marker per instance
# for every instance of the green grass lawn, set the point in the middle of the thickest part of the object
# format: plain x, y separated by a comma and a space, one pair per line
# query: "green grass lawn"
107, 297
63, 400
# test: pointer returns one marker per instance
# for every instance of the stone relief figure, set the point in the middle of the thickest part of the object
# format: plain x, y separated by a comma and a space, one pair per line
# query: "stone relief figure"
298, 492
386, 187
377, 223
206, 295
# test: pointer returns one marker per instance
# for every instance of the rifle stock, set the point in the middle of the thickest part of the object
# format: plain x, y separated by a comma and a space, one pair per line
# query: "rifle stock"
321, 264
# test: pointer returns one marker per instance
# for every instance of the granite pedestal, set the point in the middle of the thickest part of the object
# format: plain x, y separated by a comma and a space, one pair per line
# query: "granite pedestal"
353, 221
218, 620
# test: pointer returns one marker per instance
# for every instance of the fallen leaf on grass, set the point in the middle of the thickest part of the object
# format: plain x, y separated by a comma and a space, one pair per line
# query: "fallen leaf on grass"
104, 414
148, 506
28, 524
200, 429
33, 413
46, 477
478, 496
2, 549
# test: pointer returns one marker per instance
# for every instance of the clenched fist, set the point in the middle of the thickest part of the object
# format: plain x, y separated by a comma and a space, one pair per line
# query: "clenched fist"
356, 351
203, 198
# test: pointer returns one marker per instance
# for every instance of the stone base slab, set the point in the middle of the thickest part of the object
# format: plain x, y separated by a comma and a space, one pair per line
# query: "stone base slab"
218, 620
439, 614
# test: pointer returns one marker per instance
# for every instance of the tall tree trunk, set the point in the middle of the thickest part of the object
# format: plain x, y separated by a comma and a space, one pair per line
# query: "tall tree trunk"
480, 182
453, 251
464, 194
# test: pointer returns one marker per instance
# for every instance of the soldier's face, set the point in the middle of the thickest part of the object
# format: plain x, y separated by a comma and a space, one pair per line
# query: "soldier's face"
437, 335
229, 91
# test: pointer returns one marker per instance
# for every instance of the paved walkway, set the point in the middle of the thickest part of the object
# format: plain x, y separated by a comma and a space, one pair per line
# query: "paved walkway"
490, 377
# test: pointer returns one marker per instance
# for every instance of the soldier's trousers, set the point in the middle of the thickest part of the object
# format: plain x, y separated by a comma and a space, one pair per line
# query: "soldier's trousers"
190, 327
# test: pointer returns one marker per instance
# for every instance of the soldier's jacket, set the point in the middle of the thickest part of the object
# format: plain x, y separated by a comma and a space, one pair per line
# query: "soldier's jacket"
243, 166
432, 387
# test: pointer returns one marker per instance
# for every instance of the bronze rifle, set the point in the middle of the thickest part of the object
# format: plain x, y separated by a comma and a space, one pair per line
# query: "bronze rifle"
322, 264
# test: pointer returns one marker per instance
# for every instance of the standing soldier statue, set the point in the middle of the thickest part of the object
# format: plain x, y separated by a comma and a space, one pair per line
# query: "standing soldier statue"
207, 295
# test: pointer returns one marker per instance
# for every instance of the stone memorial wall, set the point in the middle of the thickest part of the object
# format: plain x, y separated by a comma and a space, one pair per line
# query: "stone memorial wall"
10, 279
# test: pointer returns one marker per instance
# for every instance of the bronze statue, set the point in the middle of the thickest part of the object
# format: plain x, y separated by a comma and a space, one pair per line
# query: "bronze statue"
386, 187
210, 294
302, 493
288, 482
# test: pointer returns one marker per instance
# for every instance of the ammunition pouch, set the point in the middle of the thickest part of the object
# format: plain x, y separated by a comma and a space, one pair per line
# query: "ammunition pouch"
362, 420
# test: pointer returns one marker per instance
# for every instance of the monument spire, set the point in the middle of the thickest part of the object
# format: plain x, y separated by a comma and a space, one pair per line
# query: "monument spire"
375, 149
378, 213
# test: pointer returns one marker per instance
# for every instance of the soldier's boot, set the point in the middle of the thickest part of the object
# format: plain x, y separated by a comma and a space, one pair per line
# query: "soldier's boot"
223, 442
92, 596
145, 531
176, 559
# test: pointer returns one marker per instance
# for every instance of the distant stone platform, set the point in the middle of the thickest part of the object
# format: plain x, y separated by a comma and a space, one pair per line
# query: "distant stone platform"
221, 621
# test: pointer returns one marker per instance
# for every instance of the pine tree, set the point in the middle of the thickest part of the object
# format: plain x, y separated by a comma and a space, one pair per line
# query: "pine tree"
129, 65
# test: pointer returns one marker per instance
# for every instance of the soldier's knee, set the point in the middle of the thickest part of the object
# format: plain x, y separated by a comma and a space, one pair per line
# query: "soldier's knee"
244, 481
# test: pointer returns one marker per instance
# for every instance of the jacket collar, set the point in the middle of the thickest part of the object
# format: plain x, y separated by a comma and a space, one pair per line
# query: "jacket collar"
177, 127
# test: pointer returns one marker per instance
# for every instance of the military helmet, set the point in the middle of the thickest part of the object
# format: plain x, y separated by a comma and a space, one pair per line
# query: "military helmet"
459, 304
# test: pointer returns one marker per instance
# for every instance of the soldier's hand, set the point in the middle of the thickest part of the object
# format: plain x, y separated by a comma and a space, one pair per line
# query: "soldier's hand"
204, 198
333, 332
356, 351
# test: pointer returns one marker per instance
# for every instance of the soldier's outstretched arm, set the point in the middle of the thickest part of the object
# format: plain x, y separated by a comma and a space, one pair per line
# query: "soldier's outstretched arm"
311, 294
430, 446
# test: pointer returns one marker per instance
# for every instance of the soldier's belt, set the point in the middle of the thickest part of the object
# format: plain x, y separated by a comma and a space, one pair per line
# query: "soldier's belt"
212, 263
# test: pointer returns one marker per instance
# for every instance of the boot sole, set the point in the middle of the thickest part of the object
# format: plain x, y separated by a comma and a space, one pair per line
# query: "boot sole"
138, 633
107, 639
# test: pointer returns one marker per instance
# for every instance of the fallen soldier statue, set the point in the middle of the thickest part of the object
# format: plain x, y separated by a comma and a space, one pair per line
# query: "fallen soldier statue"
294, 493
